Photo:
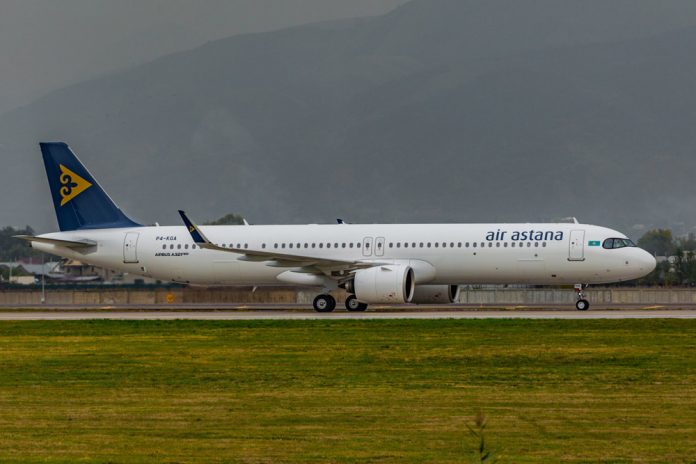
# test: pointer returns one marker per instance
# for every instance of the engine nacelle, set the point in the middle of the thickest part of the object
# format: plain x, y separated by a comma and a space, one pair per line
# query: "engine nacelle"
435, 294
383, 284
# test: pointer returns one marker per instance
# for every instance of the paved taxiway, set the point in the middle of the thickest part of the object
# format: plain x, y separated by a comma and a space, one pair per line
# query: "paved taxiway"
311, 315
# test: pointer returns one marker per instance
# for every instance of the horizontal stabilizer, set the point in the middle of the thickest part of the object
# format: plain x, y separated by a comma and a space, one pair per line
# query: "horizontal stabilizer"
58, 242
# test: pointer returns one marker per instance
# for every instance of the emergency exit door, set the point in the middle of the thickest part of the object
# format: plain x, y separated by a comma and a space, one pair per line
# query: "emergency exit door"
367, 246
130, 247
379, 246
576, 248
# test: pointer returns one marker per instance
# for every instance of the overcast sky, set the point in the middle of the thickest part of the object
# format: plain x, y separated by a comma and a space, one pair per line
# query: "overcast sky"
47, 44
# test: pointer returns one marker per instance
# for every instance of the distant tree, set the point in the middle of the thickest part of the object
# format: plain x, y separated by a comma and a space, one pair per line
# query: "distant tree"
687, 243
658, 242
659, 277
684, 267
230, 219
17, 271
13, 249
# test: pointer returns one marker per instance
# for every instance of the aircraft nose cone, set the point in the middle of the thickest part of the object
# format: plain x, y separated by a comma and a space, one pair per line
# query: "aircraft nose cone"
647, 262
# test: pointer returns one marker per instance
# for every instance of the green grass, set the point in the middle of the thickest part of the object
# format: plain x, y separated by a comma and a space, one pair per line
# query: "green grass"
347, 391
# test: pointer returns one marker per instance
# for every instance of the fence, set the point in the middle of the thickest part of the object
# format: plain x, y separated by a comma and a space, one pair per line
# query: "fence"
180, 295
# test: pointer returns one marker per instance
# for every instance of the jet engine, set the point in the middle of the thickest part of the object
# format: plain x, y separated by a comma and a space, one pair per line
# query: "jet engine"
435, 294
383, 284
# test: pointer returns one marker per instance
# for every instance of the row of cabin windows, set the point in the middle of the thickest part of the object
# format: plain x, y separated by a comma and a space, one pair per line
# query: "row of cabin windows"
319, 245
178, 247
367, 245
465, 245
193, 247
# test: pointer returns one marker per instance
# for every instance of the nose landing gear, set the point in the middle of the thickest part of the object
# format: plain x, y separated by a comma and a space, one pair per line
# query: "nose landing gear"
582, 304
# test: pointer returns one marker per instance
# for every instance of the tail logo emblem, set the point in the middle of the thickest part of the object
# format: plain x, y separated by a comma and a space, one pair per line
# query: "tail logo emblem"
71, 185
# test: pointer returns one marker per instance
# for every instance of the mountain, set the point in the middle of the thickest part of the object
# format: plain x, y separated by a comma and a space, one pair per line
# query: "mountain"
442, 110
46, 45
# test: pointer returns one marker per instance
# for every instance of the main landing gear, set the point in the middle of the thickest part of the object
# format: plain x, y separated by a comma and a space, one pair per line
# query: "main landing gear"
327, 303
324, 303
352, 304
582, 304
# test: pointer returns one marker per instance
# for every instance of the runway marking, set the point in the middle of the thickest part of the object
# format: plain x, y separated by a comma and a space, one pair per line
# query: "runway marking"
307, 315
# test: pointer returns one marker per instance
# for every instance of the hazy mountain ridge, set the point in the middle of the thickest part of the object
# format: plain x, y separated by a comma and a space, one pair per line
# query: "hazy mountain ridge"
390, 119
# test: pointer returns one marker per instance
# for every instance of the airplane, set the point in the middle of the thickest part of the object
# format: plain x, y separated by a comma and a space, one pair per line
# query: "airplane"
374, 263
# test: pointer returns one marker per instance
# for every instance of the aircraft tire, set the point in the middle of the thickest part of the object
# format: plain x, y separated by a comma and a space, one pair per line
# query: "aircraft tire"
582, 305
324, 303
353, 305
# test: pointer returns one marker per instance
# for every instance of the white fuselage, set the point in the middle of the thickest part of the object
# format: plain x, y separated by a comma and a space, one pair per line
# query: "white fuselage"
543, 254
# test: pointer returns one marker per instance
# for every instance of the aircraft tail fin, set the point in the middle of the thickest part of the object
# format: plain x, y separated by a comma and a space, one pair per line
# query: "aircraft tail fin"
79, 201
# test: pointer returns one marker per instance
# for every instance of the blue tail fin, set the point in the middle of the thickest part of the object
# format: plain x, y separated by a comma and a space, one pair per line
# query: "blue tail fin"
79, 200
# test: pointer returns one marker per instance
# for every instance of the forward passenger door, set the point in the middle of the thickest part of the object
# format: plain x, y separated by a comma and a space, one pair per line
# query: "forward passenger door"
576, 247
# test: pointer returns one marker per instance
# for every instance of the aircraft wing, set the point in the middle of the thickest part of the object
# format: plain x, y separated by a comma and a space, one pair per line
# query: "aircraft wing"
58, 242
308, 264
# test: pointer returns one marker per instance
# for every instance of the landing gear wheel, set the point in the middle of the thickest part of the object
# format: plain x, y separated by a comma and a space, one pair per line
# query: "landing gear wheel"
324, 303
352, 304
582, 304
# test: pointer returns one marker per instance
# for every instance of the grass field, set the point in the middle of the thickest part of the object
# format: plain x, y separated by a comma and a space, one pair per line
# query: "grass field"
347, 391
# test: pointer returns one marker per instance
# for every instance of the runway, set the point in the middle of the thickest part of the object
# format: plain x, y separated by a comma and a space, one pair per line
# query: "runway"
208, 315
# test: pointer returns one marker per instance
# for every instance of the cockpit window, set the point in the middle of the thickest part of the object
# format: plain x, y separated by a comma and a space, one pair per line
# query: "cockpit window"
613, 243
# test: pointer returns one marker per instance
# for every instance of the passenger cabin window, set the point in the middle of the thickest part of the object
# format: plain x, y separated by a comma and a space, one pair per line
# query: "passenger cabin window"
613, 243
